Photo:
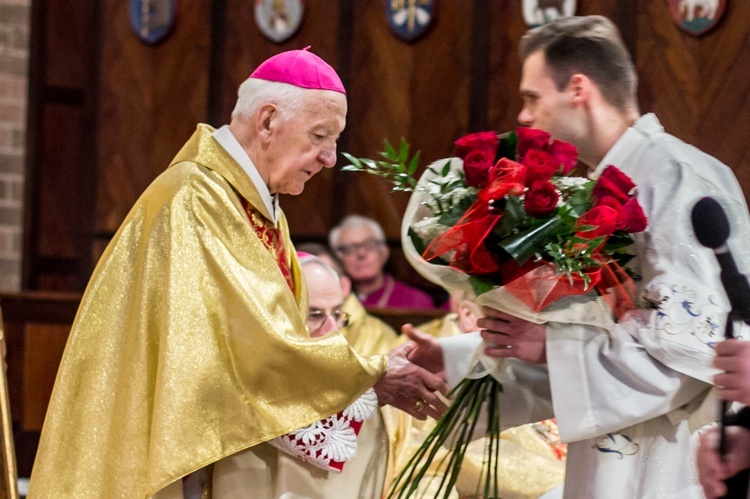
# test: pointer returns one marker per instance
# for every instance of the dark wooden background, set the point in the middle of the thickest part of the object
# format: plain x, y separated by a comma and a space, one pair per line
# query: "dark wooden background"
107, 113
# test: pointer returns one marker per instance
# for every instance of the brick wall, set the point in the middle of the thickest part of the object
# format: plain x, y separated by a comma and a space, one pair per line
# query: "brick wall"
14, 56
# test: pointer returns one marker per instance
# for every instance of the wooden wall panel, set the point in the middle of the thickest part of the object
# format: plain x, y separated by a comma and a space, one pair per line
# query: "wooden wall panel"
419, 91
65, 43
431, 91
150, 100
60, 230
699, 86
43, 349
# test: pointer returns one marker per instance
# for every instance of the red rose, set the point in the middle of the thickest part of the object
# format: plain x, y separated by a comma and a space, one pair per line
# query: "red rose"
615, 183
539, 166
612, 202
541, 199
487, 141
565, 154
602, 218
531, 138
635, 219
477, 165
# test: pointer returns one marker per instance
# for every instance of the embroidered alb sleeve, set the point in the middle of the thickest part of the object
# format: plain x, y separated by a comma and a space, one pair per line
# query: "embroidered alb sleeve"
329, 443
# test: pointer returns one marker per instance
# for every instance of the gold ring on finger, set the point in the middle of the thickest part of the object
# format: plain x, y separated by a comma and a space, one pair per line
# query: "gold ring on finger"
419, 405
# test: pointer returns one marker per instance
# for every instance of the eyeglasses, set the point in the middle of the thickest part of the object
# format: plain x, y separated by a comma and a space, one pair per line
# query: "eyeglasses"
368, 245
316, 319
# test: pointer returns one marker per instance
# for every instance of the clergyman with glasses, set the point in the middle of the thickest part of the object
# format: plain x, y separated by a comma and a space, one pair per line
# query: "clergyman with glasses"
359, 243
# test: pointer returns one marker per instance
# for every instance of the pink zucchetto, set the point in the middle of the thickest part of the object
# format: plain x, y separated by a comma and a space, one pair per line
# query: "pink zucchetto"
300, 68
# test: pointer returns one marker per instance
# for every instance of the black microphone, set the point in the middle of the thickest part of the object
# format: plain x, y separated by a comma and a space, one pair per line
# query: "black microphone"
711, 228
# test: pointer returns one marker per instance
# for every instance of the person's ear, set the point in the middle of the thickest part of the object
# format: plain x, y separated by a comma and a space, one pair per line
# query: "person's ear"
266, 121
346, 285
579, 88
385, 252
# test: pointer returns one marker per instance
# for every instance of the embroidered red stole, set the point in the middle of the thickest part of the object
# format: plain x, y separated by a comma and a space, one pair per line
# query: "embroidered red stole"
272, 239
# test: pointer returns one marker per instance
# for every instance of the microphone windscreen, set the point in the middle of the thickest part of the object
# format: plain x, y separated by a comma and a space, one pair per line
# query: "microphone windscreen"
710, 223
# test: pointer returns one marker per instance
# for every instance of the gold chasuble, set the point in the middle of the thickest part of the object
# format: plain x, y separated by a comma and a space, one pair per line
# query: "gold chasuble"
189, 344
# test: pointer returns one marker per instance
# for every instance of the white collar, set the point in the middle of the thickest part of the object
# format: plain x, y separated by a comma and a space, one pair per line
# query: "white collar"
229, 142
628, 143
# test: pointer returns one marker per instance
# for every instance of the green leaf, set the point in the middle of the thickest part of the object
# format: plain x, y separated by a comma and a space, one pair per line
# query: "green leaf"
413, 164
390, 152
580, 200
419, 245
446, 169
523, 245
514, 216
508, 146
480, 285
403, 153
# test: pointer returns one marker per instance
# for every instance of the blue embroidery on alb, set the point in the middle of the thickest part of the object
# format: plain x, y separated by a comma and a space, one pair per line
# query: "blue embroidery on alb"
618, 444
682, 310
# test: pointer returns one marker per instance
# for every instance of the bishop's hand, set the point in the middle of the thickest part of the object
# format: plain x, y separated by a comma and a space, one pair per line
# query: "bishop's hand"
409, 387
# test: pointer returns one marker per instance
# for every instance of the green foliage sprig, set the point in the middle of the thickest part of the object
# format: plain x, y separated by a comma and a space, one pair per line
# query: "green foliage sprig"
398, 168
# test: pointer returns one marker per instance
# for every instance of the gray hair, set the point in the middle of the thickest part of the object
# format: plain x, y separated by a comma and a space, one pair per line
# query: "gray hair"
254, 93
355, 222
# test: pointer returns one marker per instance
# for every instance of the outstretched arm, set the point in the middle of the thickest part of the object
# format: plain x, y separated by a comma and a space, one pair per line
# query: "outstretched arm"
409, 387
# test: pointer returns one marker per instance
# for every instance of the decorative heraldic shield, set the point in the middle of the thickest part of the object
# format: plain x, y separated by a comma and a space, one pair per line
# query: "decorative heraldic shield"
278, 20
409, 19
151, 20
696, 16
539, 12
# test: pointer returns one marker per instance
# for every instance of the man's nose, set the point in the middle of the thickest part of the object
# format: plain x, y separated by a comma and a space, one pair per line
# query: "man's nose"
328, 157
524, 117
329, 325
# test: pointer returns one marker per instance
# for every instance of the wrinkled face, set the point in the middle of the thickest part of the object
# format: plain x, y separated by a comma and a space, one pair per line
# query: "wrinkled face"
301, 146
362, 253
325, 300
544, 106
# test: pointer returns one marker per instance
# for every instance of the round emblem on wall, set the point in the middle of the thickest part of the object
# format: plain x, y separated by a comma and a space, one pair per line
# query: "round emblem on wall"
409, 19
538, 12
696, 16
151, 20
278, 20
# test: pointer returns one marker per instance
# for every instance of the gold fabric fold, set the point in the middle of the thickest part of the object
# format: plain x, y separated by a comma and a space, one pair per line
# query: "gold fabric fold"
367, 334
188, 345
9, 479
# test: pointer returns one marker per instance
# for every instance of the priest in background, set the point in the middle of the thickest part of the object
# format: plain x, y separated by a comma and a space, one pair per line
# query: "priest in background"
190, 344
367, 334
359, 243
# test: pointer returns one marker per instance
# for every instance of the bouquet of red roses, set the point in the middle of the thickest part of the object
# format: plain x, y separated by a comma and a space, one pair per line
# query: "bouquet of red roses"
506, 221
523, 223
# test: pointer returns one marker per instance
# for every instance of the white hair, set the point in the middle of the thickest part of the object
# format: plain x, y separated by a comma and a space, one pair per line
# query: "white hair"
254, 93
314, 260
355, 222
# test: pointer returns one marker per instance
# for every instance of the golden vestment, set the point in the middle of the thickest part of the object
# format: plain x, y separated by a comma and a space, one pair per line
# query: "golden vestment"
530, 461
271, 474
189, 345
367, 334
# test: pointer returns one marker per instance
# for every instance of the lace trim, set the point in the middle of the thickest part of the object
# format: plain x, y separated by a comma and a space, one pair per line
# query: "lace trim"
329, 443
